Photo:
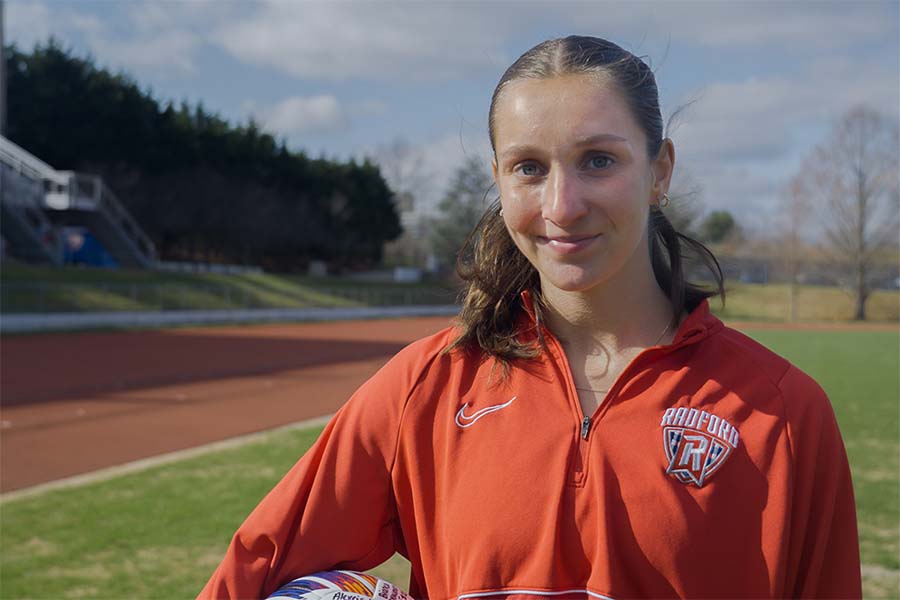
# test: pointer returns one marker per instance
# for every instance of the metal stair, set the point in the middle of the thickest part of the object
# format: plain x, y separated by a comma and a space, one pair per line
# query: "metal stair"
88, 202
67, 198
29, 234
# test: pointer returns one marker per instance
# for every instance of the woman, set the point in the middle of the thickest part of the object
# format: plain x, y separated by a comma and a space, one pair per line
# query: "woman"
588, 429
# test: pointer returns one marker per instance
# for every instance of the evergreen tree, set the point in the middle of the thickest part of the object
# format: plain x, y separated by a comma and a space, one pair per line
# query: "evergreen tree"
201, 188
717, 226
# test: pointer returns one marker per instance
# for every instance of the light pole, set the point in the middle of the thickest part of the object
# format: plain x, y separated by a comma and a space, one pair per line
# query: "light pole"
2, 76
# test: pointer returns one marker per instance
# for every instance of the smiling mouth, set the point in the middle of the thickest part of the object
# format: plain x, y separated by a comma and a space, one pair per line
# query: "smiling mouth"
571, 239
567, 244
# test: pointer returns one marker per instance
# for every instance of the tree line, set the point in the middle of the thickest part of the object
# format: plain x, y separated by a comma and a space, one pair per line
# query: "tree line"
202, 188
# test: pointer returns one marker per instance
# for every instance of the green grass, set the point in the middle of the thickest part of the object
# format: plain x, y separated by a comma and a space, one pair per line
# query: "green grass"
157, 533
25, 288
861, 373
160, 533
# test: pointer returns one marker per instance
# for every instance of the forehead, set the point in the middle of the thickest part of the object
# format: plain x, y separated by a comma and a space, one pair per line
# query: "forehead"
560, 109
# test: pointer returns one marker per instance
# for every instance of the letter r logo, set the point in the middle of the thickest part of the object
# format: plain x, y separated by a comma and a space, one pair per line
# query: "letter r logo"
693, 449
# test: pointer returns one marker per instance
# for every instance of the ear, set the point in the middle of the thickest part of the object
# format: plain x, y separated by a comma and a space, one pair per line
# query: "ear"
494, 172
662, 168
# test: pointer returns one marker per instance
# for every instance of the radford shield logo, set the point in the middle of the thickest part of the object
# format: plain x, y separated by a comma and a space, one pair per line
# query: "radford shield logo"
696, 443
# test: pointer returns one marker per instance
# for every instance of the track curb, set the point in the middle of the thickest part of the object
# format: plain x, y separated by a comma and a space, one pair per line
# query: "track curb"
158, 460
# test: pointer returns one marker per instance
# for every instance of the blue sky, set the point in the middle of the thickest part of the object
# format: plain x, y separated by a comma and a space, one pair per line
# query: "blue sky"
348, 78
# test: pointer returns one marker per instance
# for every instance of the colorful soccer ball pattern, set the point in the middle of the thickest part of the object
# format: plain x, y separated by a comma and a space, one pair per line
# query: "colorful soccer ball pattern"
339, 585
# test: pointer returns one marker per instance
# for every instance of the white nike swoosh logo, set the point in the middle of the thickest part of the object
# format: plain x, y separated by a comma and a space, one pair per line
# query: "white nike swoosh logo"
467, 421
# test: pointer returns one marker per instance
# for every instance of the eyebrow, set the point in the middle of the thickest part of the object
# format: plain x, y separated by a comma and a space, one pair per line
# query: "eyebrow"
588, 141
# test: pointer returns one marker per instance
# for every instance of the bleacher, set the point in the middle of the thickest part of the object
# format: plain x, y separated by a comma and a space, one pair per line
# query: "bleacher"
38, 201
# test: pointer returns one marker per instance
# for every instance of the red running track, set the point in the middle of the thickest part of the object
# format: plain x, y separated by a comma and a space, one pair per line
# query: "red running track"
75, 403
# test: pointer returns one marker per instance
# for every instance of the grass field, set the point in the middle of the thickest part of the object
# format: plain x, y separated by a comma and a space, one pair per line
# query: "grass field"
772, 302
25, 288
159, 533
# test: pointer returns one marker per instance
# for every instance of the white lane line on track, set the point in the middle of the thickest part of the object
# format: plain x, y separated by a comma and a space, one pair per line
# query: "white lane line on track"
159, 459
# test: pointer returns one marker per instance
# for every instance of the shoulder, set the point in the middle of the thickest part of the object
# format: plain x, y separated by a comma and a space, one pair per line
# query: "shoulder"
372, 415
749, 358
415, 360
760, 371
424, 360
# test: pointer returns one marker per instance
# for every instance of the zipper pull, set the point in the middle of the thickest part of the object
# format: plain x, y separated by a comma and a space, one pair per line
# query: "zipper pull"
585, 426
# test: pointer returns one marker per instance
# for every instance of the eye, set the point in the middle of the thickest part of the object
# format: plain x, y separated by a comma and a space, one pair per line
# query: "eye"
527, 169
599, 161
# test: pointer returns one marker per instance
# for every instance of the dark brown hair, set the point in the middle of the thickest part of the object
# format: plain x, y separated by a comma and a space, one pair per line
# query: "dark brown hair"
496, 272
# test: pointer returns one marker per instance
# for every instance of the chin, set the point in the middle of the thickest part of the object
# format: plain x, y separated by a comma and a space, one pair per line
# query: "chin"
573, 280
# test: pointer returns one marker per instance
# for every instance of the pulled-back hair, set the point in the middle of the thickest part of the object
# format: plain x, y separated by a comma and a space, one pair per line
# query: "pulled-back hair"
496, 272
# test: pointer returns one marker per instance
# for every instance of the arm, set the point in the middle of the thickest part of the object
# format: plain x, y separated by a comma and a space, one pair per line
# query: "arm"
335, 507
823, 555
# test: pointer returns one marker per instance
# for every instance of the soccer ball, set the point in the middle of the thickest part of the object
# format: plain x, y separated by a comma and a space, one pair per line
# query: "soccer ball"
339, 585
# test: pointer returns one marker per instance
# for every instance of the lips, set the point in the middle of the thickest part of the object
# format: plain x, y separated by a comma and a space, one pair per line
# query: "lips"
568, 244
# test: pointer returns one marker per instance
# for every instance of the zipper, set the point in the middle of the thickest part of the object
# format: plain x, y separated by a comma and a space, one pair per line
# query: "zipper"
579, 465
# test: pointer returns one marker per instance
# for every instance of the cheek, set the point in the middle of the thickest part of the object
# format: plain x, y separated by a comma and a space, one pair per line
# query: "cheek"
627, 200
517, 219
520, 210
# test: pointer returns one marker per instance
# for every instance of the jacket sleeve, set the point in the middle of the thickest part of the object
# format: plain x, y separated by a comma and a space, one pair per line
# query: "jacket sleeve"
823, 555
335, 508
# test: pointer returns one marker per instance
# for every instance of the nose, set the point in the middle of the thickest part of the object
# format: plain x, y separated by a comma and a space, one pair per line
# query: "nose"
563, 202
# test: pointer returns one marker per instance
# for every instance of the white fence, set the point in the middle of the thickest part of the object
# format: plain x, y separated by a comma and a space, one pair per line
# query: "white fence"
77, 321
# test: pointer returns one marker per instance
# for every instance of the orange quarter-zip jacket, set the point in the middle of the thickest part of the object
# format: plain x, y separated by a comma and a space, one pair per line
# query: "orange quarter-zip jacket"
713, 469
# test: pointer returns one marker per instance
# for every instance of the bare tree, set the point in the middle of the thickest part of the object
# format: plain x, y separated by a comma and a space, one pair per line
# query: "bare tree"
790, 232
460, 210
853, 177
403, 167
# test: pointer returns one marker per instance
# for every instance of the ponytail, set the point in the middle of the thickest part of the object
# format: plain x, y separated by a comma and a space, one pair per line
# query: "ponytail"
496, 274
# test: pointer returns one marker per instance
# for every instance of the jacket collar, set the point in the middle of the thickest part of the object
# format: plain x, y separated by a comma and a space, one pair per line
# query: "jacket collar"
699, 323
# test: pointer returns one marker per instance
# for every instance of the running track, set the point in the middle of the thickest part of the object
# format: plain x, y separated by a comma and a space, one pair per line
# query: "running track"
75, 403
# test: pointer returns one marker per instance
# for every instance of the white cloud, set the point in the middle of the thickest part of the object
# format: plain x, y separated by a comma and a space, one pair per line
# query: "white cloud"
138, 36
812, 25
437, 40
342, 40
744, 140
746, 120
818, 25
305, 114
759, 118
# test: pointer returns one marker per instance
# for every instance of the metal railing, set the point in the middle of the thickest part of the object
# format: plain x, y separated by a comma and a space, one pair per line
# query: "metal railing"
23, 161
64, 190
25, 225
90, 193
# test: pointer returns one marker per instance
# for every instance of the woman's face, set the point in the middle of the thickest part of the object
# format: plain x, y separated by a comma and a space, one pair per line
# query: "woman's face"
575, 181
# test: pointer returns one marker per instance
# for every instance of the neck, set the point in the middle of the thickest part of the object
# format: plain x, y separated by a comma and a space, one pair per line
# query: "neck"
628, 311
